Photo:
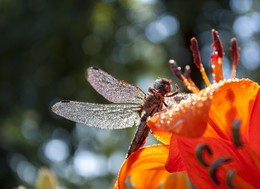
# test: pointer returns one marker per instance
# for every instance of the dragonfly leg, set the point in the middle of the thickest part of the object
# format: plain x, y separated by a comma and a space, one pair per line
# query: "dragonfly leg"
173, 93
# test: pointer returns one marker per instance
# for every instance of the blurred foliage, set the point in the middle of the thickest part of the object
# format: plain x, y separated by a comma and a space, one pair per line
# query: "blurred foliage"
45, 47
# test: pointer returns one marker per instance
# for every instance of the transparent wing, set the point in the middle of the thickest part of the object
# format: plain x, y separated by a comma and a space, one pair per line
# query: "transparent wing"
112, 89
105, 116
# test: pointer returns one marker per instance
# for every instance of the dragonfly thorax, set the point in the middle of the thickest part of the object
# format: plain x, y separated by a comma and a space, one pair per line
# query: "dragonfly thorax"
163, 86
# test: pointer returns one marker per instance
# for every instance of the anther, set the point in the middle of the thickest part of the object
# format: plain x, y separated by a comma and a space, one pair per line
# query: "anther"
200, 150
175, 69
187, 71
234, 50
230, 178
217, 44
236, 133
194, 47
217, 57
214, 167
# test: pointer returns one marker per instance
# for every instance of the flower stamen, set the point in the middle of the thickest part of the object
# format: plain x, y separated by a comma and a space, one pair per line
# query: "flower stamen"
176, 70
187, 72
214, 167
234, 50
236, 133
200, 149
217, 57
194, 47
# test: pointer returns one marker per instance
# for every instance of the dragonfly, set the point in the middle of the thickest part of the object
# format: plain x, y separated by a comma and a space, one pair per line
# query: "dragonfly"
130, 105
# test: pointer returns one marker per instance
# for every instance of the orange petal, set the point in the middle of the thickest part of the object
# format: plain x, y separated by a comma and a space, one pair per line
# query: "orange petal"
162, 136
178, 180
148, 179
174, 162
254, 126
188, 118
146, 164
233, 100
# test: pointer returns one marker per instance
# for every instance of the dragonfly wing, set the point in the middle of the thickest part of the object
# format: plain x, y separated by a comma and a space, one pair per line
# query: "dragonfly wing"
112, 89
105, 116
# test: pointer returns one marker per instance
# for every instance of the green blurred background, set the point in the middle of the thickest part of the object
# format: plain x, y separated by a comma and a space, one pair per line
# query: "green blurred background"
45, 48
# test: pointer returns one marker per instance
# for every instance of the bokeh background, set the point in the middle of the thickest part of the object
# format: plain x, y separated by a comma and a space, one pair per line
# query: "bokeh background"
45, 48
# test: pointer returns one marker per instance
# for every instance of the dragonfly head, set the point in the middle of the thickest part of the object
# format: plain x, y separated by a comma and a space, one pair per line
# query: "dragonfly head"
163, 86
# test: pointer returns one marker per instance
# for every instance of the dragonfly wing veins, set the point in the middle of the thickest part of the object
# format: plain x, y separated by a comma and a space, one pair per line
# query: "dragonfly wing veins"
104, 116
112, 89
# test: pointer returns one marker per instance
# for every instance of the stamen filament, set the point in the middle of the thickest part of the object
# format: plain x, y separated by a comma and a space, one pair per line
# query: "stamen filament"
205, 77
194, 47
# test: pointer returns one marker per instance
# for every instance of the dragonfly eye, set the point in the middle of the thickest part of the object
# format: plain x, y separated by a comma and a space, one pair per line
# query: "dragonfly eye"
163, 86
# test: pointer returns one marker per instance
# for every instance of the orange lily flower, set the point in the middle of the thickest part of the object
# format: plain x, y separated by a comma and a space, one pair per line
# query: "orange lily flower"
216, 130
212, 136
